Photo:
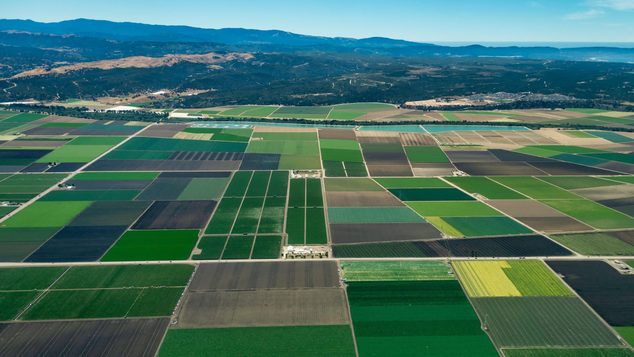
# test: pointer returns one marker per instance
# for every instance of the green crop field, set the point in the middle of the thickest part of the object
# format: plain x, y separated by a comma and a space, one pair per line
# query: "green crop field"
90, 195
485, 187
302, 112
454, 209
266, 247
104, 303
235, 135
28, 278
294, 147
306, 222
238, 247
285, 136
211, 248
340, 150
425, 154
592, 213
430, 194
627, 333
101, 291
241, 341
572, 183
543, 321
24, 118
396, 318
12, 303
595, 244
568, 352
364, 107
46, 214
153, 245
535, 188
434, 235
579, 134
75, 153
395, 271
533, 278
261, 111
486, 226
499, 278
204, 189
412, 183
124, 276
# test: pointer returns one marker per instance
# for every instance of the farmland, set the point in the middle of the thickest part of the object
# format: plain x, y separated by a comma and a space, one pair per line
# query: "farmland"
386, 240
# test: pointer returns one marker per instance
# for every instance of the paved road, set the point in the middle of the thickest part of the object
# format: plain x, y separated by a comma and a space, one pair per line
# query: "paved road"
189, 261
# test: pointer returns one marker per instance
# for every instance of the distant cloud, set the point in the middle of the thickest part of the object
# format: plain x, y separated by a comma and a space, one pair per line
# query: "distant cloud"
585, 15
620, 5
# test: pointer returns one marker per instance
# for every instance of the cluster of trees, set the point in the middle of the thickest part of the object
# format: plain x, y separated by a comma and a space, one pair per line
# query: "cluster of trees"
77, 112
324, 79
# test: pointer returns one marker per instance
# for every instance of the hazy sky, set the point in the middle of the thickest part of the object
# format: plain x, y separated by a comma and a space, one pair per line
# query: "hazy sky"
419, 20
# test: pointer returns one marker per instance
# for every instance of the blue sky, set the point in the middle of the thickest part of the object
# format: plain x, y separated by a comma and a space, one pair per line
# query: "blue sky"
418, 20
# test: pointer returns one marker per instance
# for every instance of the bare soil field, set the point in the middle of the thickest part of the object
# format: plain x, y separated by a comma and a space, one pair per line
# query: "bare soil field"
129, 337
280, 307
269, 275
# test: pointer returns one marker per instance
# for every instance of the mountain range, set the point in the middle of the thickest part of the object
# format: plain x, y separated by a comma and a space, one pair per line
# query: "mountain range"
282, 41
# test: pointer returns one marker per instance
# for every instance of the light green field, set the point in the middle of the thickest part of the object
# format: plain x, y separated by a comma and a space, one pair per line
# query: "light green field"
425, 154
511, 278
46, 214
578, 134
595, 244
627, 333
534, 188
592, 213
302, 112
299, 162
572, 183
75, 153
443, 226
260, 111
296, 147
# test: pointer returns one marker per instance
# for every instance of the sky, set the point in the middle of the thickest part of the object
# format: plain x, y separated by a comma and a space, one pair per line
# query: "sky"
437, 21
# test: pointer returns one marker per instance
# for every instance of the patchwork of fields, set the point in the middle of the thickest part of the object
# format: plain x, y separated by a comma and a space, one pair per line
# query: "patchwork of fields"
176, 239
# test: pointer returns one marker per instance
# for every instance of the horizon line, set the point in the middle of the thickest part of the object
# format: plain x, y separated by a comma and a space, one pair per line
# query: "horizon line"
433, 42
